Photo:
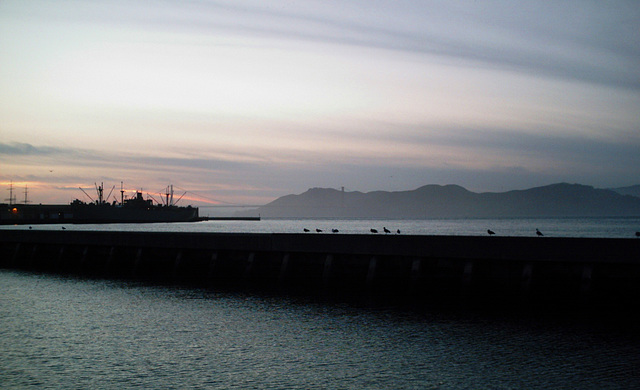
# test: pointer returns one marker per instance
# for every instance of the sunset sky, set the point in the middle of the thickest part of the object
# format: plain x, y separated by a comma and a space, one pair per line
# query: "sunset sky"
245, 101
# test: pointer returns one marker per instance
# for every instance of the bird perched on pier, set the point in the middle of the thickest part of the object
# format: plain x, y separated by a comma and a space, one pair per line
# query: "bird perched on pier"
638, 234
387, 231
334, 230
319, 230
306, 230
398, 231
491, 232
539, 233
374, 231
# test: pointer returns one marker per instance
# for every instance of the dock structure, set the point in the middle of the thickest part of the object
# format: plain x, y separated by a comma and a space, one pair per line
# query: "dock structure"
417, 266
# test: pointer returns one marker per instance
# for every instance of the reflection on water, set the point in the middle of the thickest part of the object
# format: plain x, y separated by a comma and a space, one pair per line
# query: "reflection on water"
75, 333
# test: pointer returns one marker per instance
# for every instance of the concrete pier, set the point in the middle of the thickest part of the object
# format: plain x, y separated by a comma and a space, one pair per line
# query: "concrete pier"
389, 264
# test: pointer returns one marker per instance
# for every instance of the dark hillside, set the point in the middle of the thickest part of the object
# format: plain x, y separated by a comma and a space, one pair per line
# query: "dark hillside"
452, 201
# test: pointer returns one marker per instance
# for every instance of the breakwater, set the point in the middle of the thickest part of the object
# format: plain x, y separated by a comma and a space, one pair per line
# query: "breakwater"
386, 264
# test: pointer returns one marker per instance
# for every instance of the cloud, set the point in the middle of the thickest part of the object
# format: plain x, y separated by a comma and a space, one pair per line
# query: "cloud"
558, 145
567, 159
25, 149
575, 40
476, 93
590, 42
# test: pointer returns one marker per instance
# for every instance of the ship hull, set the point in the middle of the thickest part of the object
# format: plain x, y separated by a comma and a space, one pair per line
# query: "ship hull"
92, 213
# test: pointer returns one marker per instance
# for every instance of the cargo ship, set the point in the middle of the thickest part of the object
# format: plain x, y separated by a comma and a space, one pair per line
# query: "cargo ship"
132, 210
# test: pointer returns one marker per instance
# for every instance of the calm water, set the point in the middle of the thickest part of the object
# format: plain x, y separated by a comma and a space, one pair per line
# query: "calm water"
553, 227
69, 333
74, 333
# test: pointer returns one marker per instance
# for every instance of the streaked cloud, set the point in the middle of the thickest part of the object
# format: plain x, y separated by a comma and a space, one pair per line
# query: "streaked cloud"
251, 100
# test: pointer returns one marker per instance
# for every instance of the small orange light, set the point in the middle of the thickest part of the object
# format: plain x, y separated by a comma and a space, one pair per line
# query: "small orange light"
14, 210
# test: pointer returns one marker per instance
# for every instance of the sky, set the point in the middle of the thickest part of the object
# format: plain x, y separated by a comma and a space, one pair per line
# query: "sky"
240, 102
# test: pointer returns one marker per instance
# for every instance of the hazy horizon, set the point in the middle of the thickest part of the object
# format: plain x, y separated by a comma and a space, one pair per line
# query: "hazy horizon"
245, 101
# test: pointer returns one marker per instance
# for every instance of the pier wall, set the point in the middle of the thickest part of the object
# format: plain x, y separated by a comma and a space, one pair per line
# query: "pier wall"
387, 264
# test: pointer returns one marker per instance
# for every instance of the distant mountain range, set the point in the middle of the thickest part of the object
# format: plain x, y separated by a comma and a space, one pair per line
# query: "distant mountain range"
453, 201
631, 190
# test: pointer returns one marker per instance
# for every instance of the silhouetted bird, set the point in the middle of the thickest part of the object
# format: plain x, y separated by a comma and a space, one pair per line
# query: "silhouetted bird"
491, 232
64, 228
334, 230
398, 231
318, 230
32, 228
638, 234
539, 233
374, 231
306, 230
386, 230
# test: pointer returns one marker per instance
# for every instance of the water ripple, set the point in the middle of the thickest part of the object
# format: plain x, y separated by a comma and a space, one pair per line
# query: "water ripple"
73, 333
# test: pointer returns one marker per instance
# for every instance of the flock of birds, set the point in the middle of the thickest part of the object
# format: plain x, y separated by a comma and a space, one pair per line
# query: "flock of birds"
538, 233
387, 231
374, 231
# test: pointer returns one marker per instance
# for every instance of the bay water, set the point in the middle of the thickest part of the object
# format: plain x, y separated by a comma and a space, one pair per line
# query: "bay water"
61, 332
72, 333
613, 227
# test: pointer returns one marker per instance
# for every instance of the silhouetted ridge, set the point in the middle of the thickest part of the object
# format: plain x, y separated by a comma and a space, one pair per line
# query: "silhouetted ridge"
453, 201
631, 190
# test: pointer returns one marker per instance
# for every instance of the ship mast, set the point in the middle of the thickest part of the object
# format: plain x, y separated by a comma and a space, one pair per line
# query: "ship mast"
26, 194
99, 190
169, 195
121, 193
12, 198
